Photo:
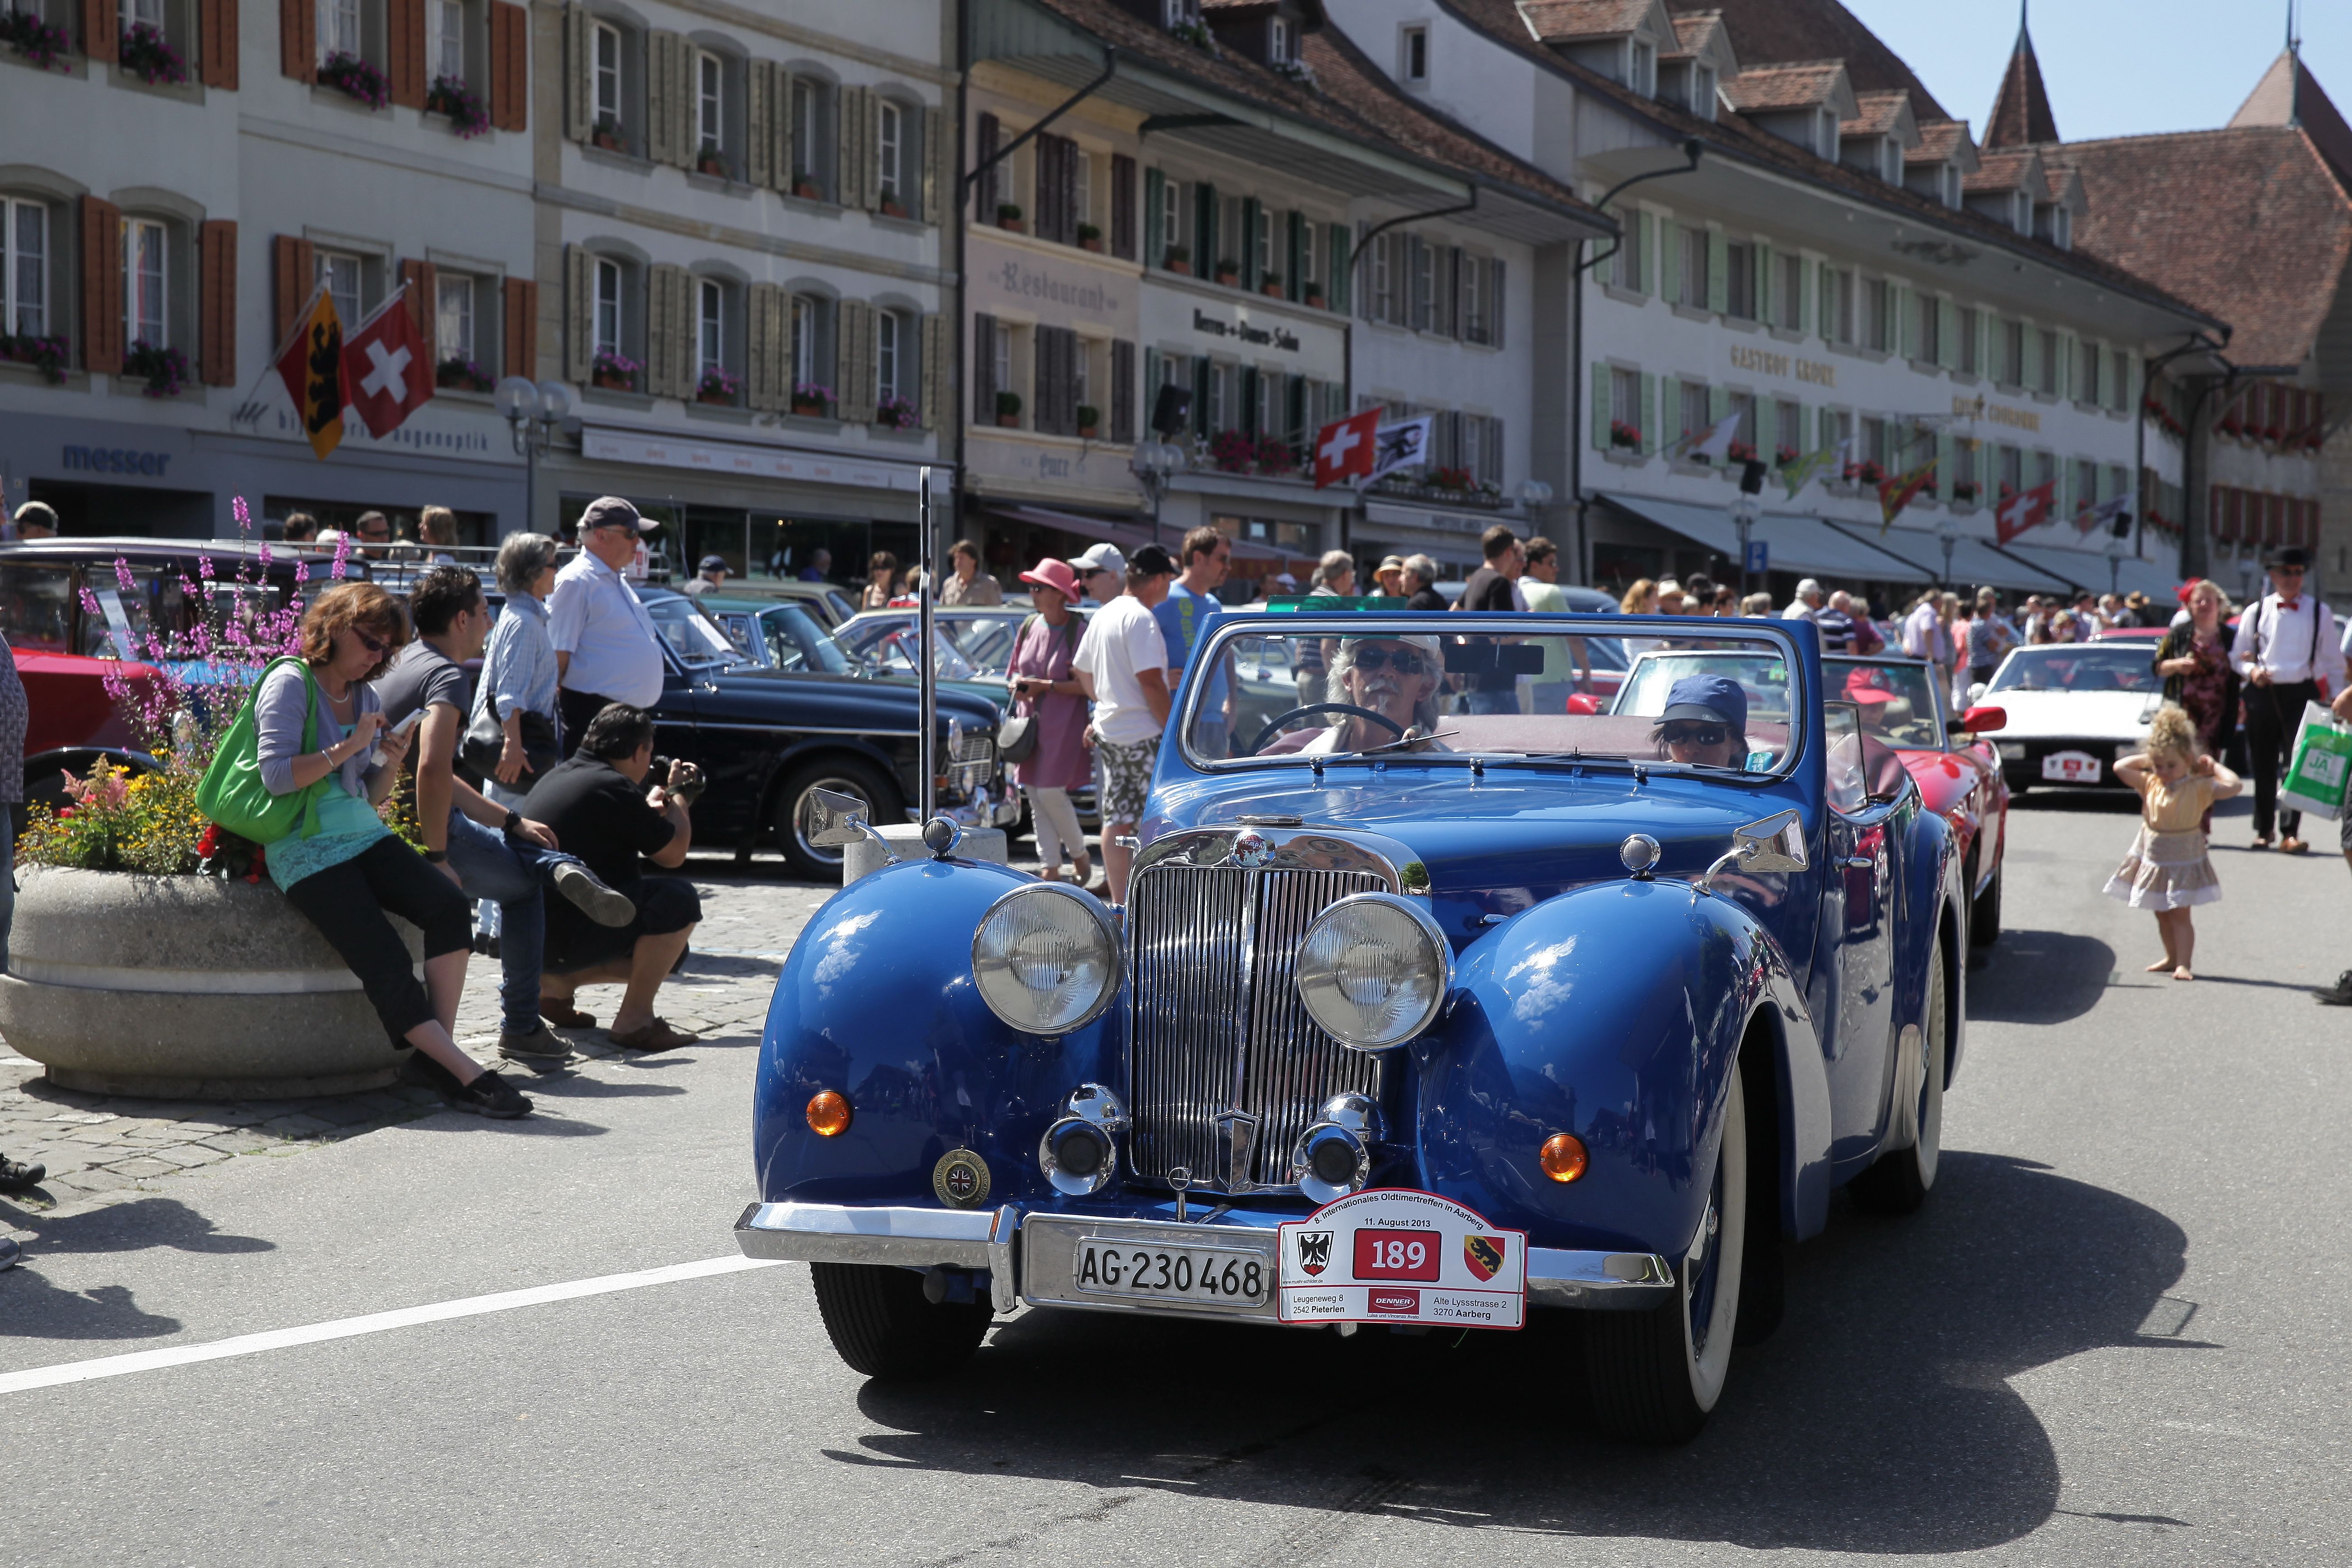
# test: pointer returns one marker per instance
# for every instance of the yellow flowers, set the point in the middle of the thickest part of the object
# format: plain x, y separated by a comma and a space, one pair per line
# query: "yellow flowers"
145, 822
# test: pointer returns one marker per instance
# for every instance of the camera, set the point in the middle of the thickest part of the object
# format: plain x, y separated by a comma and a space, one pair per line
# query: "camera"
687, 790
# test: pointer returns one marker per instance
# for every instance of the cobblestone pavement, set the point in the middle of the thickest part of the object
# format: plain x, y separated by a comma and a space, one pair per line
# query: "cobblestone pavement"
101, 1149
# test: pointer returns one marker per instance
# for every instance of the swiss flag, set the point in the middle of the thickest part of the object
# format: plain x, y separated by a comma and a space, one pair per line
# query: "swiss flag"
1344, 450
387, 370
2026, 509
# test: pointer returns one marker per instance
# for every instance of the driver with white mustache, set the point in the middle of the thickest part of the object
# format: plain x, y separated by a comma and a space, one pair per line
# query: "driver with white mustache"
1395, 677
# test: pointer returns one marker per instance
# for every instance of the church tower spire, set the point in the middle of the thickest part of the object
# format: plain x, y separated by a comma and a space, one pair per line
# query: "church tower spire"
2020, 111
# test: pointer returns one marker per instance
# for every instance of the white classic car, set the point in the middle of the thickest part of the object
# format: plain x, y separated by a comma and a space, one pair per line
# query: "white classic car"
2074, 708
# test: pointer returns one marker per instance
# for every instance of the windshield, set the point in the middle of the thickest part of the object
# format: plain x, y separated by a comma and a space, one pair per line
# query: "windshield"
1487, 687
36, 607
2077, 667
794, 640
970, 646
1895, 700
691, 634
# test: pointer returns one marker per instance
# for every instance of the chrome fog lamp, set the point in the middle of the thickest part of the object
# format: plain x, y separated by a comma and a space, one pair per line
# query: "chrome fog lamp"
1045, 959
1374, 970
1334, 1158
1078, 1153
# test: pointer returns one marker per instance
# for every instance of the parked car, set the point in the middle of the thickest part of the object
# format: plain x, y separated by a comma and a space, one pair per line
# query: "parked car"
1411, 1018
2072, 709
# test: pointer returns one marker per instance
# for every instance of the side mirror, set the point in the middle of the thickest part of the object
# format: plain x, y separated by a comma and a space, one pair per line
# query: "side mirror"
1984, 720
1775, 844
836, 821
1976, 690
1581, 703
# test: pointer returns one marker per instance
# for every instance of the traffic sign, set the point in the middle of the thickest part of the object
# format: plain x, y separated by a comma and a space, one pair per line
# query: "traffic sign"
1758, 555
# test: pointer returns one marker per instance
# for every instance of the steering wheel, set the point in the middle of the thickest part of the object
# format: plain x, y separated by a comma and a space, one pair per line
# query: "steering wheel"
1275, 728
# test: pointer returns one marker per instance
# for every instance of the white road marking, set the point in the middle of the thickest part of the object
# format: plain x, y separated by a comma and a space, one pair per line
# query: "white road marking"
373, 1323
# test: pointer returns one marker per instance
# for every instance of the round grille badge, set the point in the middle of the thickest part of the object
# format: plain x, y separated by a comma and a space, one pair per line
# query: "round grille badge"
960, 1178
1253, 850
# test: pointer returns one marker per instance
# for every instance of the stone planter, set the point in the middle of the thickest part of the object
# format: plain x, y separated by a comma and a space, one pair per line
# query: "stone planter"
185, 988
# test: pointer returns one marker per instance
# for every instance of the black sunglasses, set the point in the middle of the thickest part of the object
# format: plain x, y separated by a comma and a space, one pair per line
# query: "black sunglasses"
1403, 661
370, 643
1695, 733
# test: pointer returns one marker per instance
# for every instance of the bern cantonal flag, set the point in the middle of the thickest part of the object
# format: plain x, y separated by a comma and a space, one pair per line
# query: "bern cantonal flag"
311, 363
1343, 451
387, 373
1404, 445
1895, 493
2026, 509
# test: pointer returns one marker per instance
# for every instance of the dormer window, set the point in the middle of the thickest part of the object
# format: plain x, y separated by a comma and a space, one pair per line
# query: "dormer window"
1948, 179
1826, 126
1415, 65
1177, 13
1281, 42
1702, 98
1644, 78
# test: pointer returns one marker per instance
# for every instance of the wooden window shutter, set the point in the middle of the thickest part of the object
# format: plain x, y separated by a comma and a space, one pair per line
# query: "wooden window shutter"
1340, 259
519, 316
298, 39
101, 286
759, 122
293, 266
666, 334
217, 303
509, 66
217, 43
1122, 206
1123, 390
423, 280
934, 349
938, 157
760, 346
855, 110
1155, 241
405, 51
1294, 227
1246, 242
579, 76
101, 25
983, 148
984, 368
856, 385
1495, 303
1602, 414
661, 67
1046, 381
578, 312
685, 141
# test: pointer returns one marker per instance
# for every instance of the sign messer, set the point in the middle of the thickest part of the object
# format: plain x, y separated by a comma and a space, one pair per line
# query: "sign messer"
1397, 1256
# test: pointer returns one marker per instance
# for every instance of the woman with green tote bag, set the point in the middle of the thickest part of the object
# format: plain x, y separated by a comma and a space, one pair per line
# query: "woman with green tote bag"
318, 739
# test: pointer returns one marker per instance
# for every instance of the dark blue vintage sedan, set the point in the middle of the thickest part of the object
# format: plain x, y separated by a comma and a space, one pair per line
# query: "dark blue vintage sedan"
1433, 1003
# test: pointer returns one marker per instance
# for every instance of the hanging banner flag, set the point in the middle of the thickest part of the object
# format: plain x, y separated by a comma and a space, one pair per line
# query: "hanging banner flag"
2026, 509
1895, 494
2090, 519
1717, 444
1800, 474
387, 373
1343, 451
311, 363
1401, 445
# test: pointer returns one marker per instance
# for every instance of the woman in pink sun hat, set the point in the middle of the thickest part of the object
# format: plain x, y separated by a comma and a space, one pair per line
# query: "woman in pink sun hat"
1045, 689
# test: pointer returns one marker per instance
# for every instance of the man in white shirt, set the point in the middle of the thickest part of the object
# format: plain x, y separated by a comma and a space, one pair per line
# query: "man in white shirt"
2289, 652
1807, 605
606, 650
1122, 661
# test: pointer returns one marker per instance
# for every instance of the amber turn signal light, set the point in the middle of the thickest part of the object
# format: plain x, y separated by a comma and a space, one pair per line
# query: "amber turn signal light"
1563, 1153
828, 1117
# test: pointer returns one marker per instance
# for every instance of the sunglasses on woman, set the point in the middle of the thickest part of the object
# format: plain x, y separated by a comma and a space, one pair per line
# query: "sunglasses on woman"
1695, 734
1403, 661
370, 643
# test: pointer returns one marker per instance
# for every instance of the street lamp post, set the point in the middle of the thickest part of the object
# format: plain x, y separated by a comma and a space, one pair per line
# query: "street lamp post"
1948, 534
533, 415
1744, 508
2116, 550
1153, 462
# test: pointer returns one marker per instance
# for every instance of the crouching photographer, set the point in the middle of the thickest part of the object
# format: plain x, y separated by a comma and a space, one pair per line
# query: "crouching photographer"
601, 808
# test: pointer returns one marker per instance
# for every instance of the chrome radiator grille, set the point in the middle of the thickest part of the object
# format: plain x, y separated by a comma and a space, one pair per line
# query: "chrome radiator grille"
1218, 1025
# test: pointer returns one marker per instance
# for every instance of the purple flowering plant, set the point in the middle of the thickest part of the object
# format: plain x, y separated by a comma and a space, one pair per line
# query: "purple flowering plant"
350, 75
145, 53
41, 42
166, 368
468, 117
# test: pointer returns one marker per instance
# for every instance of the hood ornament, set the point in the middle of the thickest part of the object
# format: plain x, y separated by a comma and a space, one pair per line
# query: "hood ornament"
1251, 851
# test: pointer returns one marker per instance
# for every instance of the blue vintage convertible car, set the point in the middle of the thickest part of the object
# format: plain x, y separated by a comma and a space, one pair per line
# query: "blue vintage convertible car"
1436, 1002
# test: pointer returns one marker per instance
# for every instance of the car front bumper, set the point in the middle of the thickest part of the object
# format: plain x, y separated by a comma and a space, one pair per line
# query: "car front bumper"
987, 1241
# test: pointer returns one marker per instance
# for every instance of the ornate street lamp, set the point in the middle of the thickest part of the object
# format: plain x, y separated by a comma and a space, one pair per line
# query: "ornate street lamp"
533, 415
1948, 534
1152, 464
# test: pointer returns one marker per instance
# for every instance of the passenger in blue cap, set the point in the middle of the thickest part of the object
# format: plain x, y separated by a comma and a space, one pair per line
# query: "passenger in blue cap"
1706, 723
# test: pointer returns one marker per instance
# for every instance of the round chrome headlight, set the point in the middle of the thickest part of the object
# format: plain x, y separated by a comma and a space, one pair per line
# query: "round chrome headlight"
1045, 959
1374, 970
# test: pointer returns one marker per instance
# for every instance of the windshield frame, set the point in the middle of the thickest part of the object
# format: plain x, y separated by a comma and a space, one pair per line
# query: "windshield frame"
693, 609
2043, 652
1804, 701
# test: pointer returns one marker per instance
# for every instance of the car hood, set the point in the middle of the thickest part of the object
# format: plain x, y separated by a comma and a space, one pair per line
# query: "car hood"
2067, 715
810, 699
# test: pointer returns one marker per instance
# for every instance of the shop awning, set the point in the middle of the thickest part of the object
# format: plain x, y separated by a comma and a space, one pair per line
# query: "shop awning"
2090, 569
1803, 545
1975, 563
1130, 537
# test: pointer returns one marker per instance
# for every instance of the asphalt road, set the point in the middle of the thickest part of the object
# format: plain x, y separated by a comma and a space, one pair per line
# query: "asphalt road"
2116, 1334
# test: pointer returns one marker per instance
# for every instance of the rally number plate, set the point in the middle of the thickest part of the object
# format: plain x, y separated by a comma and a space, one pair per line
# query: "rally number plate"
1108, 1267
2070, 767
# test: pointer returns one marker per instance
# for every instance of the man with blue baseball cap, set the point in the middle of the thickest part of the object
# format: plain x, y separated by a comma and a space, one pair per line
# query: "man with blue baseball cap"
1706, 723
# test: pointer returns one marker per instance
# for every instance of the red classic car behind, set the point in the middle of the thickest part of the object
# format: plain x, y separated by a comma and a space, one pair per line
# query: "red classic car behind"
1957, 771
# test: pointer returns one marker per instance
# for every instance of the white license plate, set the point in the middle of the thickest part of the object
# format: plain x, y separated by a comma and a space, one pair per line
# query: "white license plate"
1114, 1268
2070, 767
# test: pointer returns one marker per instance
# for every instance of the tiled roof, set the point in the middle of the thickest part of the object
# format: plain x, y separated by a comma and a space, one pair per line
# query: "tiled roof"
1882, 114
1694, 31
1779, 32
1939, 142
1362, 88
1559, 21
1734, 138
2020, 111
2249, 223
1761, 89
2010, 169
2289, 94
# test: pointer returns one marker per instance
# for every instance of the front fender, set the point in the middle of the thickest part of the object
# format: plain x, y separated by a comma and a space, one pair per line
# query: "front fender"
1617, 1012
876, 1002
1934, 903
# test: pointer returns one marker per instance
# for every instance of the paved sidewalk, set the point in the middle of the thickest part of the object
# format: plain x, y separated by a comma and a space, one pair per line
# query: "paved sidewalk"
101, 1149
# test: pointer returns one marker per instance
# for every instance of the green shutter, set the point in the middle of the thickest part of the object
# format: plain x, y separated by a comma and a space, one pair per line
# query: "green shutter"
1204, 230
1765, 296
1905, 336
1944, 464
1718, 405
1602, 415
1670, 263
1341, 260
1151, 374
1250, 218
1155, 194
1719, 269
1801, 438
1648, 422
2029, 373
1645, 258
1294, 228
1947, 329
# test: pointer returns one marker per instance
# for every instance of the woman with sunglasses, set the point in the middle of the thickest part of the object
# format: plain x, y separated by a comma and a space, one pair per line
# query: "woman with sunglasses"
1705, 724
352, 871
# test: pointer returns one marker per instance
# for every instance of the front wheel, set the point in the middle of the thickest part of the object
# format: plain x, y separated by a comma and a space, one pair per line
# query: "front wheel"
795, 811
1897, 1181
883, 1326
1656, 1375
1984, 914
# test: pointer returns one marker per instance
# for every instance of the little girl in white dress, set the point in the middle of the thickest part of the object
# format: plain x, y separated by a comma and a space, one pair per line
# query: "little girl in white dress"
2168, 870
